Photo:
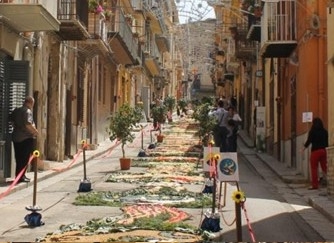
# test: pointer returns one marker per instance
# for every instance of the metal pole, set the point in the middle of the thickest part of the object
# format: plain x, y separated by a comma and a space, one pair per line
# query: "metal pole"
214, 188
84, 161
35, 182
238, 221
142, 139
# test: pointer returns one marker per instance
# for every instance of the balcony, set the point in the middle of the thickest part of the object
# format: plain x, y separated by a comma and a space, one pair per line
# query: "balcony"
244, 48
98, 42
28, 17
162, 43
122, 41
154, 16
73, 16
278, 34
254, 28
152, 58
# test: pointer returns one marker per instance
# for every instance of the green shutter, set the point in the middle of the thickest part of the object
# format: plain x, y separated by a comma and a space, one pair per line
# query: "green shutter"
14, 76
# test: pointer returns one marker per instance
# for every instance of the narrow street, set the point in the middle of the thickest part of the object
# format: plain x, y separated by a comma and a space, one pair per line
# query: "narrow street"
273, 210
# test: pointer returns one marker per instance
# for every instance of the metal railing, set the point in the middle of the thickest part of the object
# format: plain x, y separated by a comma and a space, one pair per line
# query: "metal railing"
67, 10
279, 21
121, 26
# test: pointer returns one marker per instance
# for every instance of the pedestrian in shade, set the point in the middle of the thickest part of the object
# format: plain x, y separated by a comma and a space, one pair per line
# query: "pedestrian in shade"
24, 135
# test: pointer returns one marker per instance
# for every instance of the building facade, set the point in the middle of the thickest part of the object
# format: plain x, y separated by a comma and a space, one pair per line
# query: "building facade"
80, 60
282, 56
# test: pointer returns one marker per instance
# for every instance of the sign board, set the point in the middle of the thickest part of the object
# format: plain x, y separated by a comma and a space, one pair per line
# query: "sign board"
259, 73
228, 167
307, 117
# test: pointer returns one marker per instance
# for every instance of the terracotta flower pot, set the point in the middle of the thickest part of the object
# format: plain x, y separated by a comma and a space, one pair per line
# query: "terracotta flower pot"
125, 163
160, 138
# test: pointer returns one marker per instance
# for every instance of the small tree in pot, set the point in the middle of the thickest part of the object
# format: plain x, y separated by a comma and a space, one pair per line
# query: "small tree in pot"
159, 115
170, 102
182, 105
121, 127
206, 122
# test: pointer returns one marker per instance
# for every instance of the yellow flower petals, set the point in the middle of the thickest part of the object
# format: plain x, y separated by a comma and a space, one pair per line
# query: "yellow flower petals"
238, 196
36, 153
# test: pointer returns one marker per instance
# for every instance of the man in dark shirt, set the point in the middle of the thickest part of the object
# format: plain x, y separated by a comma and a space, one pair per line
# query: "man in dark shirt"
220, 132
24, 134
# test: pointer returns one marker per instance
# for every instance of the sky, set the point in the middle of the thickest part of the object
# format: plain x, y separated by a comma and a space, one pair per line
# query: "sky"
194, 10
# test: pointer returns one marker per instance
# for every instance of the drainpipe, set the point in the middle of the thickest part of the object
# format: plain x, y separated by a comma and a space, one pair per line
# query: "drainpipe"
321, 61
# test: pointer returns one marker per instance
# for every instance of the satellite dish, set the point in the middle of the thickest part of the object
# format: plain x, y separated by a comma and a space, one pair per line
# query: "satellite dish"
315, 22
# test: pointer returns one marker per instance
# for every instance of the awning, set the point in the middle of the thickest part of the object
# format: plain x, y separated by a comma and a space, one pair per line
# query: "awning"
28, 17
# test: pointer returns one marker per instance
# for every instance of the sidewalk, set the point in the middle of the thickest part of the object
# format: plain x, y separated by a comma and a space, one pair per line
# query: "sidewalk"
318, 199
52, 168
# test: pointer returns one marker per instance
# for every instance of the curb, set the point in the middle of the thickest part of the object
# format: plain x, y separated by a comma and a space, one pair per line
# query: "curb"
288, 176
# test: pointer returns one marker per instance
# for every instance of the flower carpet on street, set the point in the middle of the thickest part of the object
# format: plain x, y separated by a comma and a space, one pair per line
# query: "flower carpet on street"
156, 209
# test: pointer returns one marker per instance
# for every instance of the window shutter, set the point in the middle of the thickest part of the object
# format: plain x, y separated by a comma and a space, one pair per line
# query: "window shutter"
14, 77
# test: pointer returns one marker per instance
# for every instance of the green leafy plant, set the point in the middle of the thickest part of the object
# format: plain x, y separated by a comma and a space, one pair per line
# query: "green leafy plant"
95, 6
107, 13
170, 102
159, 113
182, 104
206, 123
92, 5
122, 124
252, 6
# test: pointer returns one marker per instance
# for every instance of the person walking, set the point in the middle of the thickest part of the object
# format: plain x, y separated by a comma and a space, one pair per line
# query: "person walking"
220, 132
233, 127
24, 134
318, 137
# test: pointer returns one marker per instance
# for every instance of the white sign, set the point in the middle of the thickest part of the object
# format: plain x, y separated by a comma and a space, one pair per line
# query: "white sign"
307, 117
208, 156
258, 73
228, 168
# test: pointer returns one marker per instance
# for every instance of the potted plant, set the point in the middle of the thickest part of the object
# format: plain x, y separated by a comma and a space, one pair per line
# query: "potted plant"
121, 126
95, 6
182, 105
170, 102
108, 13
206, 123
159, 115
